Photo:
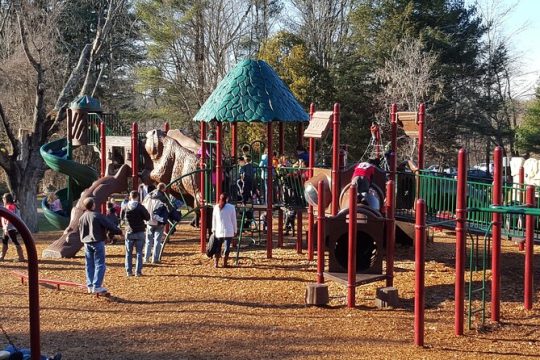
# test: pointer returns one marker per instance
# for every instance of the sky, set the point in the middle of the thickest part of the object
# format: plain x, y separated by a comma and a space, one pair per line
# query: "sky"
522, 28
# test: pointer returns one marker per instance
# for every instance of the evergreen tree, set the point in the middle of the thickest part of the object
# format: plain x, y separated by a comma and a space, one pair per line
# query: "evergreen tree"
528, 133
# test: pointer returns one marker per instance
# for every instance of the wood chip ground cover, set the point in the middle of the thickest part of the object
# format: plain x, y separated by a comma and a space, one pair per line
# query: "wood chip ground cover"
186, 309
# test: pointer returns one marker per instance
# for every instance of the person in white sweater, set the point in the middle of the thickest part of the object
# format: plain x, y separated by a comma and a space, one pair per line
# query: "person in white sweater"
224, 227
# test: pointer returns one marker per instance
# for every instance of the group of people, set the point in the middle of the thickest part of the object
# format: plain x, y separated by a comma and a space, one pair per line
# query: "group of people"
144, 227
249, 174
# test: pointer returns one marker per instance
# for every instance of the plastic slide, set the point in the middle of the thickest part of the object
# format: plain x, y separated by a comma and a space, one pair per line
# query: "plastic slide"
54, 154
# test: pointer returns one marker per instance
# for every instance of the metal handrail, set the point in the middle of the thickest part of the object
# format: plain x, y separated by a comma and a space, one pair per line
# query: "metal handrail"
33, 280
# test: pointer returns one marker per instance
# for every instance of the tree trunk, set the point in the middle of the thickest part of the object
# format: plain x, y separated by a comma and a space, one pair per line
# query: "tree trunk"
24, 185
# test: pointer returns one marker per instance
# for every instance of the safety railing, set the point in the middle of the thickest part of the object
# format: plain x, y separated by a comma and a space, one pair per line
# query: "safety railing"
287, 190
113, 125
439, 192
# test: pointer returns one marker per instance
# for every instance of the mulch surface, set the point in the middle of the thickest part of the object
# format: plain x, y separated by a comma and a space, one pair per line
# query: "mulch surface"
186, 309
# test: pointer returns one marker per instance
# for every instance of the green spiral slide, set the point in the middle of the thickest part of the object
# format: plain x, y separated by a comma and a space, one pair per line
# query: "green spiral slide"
55, 156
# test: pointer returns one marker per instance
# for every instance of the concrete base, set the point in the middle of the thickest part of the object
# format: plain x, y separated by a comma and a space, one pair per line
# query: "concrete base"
386, 297
317, 294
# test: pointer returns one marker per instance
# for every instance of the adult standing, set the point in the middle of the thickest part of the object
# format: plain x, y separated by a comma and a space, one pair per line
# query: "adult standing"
93, 228
224, 227
10, 232
158, 207
134, 216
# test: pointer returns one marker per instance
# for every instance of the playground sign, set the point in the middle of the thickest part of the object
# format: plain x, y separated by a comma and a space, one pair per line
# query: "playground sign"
408, 120
318, 124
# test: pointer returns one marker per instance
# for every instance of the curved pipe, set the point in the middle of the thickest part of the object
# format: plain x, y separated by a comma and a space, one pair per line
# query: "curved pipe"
33, 282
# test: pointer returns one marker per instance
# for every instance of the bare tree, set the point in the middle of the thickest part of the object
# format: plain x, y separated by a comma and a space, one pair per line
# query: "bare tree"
409, 75
499, 107
324, 25
190, 50
32, 63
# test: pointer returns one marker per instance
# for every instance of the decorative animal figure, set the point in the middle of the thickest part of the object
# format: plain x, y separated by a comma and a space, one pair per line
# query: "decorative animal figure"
170, 161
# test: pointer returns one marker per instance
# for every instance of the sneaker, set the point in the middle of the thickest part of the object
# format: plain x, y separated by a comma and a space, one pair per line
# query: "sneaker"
90, 289
129, 274
100, 290
139, 274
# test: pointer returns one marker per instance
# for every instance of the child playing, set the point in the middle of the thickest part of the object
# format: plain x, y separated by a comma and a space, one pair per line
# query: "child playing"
290, 217
10, 232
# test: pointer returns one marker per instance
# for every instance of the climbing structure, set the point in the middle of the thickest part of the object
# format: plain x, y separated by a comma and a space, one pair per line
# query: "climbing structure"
250, 92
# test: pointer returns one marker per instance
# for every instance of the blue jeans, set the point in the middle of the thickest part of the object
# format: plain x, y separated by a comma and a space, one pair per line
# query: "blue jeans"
94, 255
154, 234
134, 240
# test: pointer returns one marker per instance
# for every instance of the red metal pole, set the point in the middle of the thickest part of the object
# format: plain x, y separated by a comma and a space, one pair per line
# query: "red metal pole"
299, 232
166, 127
33, 281
202, 189
300, 134
103, 159
310, 235
135, 155
351, 268
521, 197
419, 268
529, 252
496, 234
461, 211
335, 160
393, 142
390, 233
269, 192
311, 165
320, 233
234, 141
281, 149
219, 158
421, 116
280, 229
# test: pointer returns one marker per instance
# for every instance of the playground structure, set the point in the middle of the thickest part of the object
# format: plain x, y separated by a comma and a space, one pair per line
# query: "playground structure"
122, 156
454, 203
366, 235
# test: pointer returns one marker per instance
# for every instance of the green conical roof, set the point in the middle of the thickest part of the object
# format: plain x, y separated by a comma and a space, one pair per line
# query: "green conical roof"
87, 103
252, 91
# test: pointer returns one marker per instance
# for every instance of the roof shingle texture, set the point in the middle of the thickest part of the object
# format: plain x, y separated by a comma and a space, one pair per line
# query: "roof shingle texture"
252, 91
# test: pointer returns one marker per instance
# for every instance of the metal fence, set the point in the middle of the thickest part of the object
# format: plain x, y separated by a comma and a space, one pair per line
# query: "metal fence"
440, 192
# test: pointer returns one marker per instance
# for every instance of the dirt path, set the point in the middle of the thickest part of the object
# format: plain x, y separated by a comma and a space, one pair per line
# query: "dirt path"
186, 309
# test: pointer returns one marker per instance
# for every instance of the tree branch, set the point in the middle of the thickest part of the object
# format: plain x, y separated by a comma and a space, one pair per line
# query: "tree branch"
24, 41
99, 40
74, 78
9, 131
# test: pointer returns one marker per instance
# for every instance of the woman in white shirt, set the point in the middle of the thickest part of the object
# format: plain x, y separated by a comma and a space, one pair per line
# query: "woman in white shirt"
224, 227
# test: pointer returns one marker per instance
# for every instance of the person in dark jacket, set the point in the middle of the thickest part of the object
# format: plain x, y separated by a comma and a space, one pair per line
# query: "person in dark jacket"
93, 228
134, 216
157, 203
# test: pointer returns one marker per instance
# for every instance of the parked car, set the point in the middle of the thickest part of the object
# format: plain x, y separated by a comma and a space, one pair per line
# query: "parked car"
434, 168
484, 167
478, 175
